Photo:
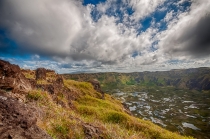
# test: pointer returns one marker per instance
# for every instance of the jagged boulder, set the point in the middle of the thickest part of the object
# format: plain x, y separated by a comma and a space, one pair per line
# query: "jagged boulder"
41, 74
18, 121
12, 79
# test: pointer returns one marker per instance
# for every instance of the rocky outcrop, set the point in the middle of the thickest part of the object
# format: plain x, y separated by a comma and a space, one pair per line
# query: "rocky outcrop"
59, 81
46, 87
12, 79
18, 121
92, 132
96, 86
41, 74
52, 88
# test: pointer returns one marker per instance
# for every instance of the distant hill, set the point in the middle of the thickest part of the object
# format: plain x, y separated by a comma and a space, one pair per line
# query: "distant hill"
194, 78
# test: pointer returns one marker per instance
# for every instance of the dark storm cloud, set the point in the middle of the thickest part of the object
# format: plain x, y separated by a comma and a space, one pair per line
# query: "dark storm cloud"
187, 36
200, 44
197, 38
39, 27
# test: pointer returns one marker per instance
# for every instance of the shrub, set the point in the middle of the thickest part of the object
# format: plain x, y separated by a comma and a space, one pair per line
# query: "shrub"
115, 117
35, 95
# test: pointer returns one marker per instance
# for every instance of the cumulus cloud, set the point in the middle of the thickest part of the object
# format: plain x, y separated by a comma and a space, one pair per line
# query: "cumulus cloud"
168, 16
42, 26
144, 8
66, 30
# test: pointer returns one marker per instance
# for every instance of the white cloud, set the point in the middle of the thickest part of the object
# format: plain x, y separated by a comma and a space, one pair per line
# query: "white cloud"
35, 57
144, 8
65, 30
168, 16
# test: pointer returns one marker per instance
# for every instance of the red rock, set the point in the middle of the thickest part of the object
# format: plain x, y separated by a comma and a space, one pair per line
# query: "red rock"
59, 81
12, 79
97, 87
41, 74
18, 120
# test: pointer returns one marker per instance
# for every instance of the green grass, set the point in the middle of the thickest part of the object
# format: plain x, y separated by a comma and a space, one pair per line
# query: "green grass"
110, 112
42, 82
35, 95
29, 75
108, 115
115, 117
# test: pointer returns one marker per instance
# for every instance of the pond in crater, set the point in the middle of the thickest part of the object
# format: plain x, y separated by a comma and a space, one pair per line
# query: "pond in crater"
183, 111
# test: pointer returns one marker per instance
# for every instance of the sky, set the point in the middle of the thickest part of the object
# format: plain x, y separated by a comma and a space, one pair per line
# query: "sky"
105, 35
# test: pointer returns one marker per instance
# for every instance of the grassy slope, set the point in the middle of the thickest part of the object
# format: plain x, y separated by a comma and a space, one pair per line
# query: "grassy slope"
108, 115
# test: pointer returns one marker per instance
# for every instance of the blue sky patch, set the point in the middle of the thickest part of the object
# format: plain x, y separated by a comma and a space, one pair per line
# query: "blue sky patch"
7, 45
94, 2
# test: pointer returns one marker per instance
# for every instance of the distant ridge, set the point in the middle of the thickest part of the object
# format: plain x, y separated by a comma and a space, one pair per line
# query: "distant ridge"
193, 78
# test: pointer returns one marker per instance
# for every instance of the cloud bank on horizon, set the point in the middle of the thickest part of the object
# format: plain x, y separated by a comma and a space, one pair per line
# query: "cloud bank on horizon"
105, 35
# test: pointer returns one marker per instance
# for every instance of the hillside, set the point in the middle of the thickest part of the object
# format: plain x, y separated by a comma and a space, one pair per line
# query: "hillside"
198, 79
41, 104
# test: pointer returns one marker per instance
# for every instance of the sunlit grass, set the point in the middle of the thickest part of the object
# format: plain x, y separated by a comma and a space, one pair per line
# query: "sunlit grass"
29, 74
112, 113
107, 114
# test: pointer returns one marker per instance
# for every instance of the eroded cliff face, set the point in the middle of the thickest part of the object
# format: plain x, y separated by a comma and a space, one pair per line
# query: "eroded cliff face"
17, 120
12, 79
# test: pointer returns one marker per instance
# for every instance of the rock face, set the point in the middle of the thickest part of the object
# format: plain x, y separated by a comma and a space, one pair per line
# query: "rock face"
92, 132
41, 74
199, 83
52, 88
97, 87
18, 121
59, 81
12, 79
46, 87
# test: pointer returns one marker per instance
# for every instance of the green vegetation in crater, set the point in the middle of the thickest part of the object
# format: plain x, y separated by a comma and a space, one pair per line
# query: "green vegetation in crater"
198, 79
